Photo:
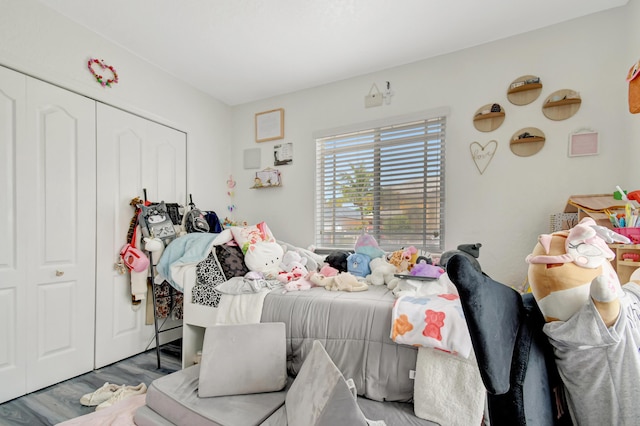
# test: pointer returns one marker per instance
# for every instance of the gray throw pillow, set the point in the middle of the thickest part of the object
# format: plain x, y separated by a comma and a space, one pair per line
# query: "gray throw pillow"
320, 396
242, 359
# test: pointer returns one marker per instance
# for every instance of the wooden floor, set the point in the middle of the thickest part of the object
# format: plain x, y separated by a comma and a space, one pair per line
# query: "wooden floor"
61, 402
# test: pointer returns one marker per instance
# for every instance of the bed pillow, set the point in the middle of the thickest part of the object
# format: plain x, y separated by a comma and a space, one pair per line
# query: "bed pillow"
320, 396
248, 235
240, 359
231, 260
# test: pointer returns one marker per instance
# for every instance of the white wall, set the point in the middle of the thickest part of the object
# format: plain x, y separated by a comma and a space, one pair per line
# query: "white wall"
631, 52
504, 209
39, 42
508, 206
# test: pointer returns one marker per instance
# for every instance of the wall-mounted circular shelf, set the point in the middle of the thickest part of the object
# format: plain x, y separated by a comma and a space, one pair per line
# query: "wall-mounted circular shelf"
489, 117
561, 104
524, 90
527, 141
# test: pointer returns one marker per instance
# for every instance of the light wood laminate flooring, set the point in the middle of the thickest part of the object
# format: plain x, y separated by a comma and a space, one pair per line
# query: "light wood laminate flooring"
61, 401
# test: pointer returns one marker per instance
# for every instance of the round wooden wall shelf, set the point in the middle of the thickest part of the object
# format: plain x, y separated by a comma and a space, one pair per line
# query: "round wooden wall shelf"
524, 90
527, 141
561, 104
488, 117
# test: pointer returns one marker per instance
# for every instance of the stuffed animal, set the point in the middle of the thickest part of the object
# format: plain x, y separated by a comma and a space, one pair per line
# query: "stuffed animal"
313, 259
424, 269
410, 253
329, 271
299, 284
591, 322
294, 274
344, 281
265, 257
368, 245
578, 256
291, 260
382, 272
400, 259
358, 264
338, 259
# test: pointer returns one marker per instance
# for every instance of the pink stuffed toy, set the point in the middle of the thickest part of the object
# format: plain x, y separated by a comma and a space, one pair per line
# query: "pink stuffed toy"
328, 271
295, 274
299, 284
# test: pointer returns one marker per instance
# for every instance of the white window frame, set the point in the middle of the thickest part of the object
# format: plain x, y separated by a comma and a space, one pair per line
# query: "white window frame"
409, 153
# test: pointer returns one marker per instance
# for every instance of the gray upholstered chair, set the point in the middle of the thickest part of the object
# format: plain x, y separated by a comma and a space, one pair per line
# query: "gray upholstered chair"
515, 358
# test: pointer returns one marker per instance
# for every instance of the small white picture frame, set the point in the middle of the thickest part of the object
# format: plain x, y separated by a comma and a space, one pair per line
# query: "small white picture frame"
583, 143
251, 158
270, 125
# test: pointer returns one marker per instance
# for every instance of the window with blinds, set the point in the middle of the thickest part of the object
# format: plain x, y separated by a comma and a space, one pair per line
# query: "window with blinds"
387, 181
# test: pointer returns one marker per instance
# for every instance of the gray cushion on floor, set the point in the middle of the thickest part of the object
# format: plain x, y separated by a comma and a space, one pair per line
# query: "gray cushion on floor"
393, 413
175, 397
279, 418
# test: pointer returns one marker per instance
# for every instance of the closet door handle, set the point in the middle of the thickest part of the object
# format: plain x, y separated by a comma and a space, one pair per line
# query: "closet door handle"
59, 273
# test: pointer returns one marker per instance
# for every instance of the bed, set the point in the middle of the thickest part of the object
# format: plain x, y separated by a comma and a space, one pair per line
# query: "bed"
354, 327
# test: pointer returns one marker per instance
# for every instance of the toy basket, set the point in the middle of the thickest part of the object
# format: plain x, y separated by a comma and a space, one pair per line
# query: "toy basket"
632, 233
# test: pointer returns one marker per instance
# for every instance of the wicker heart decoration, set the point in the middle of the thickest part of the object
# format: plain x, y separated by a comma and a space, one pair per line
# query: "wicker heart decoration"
482, 155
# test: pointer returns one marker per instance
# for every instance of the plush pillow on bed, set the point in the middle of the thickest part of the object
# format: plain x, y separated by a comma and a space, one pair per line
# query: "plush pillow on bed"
231, 260
240, 359
248, 235
209, 271
320, 396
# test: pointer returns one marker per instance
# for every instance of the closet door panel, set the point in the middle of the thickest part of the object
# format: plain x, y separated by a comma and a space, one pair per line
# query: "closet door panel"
134, 154
165, 173
127, 323
62, 197
13, 249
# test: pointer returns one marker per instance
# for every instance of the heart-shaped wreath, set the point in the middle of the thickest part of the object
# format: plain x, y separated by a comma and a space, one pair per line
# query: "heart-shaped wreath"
99, 78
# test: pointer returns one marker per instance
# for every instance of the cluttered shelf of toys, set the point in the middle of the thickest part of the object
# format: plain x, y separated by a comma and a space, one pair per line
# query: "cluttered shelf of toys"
619, 211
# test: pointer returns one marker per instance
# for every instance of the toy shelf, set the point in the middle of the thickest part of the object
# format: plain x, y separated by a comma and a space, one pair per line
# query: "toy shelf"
488, 116
625, 268
525, 88
528, 140
562, 102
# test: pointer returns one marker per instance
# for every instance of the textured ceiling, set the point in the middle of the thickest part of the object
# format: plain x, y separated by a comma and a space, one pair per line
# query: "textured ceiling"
245, 50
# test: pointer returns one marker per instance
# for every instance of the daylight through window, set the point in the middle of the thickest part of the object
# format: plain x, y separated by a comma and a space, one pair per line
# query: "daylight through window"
387, 181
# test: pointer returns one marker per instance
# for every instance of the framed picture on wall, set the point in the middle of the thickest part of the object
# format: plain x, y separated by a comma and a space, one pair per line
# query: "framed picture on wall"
270, 125
283, 154
583, 142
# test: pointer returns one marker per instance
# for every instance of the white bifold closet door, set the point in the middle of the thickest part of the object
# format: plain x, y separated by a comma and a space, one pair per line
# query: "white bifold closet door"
133, 154
13, 245
47, 234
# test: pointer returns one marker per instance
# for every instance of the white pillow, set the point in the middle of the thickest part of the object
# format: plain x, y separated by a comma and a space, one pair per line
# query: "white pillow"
246, 236
239, 359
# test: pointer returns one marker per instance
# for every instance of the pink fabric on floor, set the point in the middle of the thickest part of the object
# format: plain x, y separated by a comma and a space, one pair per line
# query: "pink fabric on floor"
119, 414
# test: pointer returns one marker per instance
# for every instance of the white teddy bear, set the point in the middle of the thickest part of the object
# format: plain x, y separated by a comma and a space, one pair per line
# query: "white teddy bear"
381, 272
293, 259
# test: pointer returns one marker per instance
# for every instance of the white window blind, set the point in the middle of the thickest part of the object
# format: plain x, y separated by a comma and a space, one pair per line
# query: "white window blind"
387, 181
